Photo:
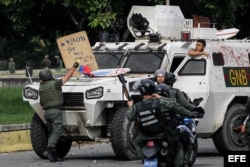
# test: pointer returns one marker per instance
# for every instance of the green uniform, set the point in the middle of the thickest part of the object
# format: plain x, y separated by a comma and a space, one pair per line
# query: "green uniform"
166, 105
51, 99
184, 100
181, 98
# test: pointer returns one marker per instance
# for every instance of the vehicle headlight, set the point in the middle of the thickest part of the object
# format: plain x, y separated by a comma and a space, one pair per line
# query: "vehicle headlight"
30, 93
94, 93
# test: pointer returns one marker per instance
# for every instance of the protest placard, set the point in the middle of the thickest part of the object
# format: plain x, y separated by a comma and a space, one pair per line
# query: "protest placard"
76, 47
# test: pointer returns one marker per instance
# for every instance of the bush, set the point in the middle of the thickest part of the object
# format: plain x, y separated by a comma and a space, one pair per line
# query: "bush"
3, 65
13, 110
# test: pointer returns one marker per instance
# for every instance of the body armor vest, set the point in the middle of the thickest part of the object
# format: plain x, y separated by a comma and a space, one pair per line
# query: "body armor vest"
49, 95
149, 123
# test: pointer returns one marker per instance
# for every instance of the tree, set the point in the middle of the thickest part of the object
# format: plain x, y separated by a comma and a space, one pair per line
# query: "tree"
40, 22
37, 24
51, 18
222, 12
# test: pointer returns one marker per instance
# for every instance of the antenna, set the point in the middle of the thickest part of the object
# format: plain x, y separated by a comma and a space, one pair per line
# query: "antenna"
29, 74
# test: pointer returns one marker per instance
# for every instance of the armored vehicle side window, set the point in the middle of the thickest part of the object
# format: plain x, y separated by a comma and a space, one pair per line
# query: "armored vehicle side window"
108, 59
218, 59
194, 67
144, 62
176, 62
249, 58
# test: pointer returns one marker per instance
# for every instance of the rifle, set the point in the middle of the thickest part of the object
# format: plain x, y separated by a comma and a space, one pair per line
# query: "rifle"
125, 91
124, 88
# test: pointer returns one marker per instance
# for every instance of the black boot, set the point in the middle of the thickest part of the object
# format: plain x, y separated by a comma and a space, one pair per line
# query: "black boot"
58, 158
50, 154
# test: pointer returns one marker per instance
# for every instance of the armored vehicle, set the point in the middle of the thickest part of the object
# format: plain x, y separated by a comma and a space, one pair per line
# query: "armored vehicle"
95, 107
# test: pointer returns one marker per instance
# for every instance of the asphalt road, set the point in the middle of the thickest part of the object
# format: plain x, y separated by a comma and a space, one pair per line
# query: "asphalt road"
101, 155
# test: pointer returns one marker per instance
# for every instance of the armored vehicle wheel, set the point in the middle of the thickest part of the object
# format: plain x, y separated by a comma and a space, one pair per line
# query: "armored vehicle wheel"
122, 136
38, 136
226, 139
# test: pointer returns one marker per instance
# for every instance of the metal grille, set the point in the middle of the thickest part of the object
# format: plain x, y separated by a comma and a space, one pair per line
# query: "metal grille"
73, 99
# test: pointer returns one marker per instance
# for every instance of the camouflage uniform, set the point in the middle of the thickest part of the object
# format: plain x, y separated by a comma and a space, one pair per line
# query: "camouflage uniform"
181, 98
184, 100
51, 99
166, 105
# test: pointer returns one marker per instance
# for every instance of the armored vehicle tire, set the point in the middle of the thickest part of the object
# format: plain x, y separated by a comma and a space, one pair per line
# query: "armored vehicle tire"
226, 139
38, 136
122, 136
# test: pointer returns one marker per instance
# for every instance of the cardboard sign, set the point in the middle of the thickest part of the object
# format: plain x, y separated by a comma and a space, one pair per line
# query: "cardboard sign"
76, 47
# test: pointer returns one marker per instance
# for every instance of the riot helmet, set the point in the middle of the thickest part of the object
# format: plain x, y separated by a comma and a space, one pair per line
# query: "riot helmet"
162, 89
147, 87
45, 75
160, 73
170, 78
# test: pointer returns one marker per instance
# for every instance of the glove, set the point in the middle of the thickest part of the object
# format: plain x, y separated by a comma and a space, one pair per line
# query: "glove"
197, 101
76, 64
195, 114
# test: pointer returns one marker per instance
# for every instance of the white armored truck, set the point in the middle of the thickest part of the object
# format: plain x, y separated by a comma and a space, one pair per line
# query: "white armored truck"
95, 107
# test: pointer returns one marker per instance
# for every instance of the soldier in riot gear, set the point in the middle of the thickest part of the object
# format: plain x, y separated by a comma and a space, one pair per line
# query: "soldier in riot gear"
165, 106
186, 133
182, 98
51, 99
161, 76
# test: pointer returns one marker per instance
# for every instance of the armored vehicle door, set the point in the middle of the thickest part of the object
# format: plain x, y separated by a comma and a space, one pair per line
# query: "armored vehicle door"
192, 77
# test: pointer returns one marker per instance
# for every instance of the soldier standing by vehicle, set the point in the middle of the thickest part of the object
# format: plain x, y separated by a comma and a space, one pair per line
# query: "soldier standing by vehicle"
167, 106
51, 99
199, 49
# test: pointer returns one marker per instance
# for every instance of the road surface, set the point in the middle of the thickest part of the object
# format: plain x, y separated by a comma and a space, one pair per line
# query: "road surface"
101, 155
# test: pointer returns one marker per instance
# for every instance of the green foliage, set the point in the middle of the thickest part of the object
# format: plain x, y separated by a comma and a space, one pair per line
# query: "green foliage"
18, 13
223, 11
21, 51
100, 14
29, 28
104, 20
13, 110
3, 65
158, 2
